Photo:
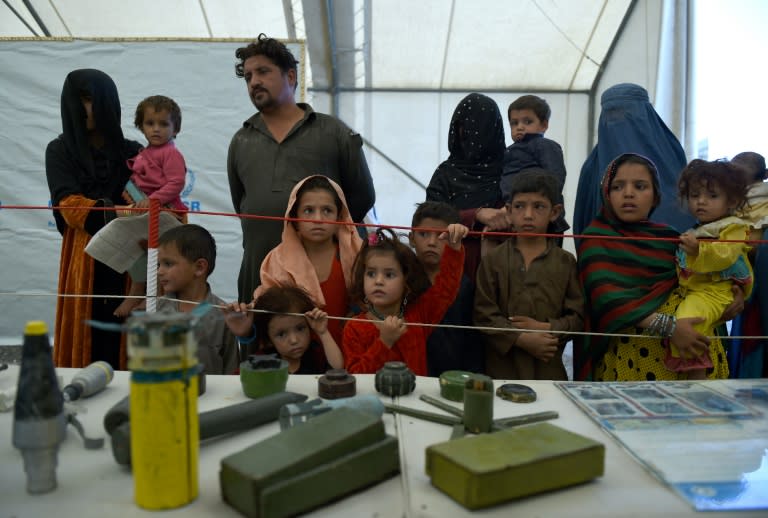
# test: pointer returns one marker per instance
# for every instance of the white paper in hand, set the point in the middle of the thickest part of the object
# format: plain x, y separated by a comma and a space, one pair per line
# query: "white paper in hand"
117, 244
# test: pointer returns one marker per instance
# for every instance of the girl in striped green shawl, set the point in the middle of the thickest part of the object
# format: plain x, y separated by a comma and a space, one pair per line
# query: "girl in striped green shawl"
628, 273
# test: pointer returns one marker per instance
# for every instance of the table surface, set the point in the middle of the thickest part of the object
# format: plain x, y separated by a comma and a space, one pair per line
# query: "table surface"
91, 482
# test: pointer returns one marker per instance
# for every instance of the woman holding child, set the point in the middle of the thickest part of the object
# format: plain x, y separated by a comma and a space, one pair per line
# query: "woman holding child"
631, 285
86, 171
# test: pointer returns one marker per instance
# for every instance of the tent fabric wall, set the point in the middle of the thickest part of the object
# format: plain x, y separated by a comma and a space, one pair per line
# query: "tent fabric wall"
409, 127
198, 75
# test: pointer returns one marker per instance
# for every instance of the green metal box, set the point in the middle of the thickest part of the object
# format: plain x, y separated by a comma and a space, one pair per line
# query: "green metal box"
306, 466
488, 469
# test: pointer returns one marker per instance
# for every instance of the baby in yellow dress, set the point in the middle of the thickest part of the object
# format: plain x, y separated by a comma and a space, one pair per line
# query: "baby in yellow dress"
713, 255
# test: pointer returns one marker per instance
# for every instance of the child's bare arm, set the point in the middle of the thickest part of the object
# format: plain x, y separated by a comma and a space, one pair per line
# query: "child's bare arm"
239, 319
318, 322
390, 330
539, 345
454, 234
521, 322
689, 244
495, 220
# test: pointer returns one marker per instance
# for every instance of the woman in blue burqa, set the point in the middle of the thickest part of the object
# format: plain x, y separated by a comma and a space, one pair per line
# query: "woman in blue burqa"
629, 124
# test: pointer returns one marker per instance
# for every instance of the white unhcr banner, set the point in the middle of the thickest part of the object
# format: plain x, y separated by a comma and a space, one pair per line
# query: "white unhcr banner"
199, 75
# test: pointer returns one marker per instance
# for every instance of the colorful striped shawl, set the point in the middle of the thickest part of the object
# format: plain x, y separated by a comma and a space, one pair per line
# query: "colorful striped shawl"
624, 280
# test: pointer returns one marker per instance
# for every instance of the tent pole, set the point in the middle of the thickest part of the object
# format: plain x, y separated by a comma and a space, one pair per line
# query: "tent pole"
22, 20
331, 14
37, 18
599, 75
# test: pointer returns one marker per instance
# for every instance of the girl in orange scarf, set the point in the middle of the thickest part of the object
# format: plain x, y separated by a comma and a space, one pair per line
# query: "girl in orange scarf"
316, 256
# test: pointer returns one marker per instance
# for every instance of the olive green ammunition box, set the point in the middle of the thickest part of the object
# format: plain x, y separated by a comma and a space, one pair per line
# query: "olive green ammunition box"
488, 469
309, 465
333, 480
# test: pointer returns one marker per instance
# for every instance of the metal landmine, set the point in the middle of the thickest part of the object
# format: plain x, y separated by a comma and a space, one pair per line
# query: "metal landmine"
296, 413
88, 381
336, 383
516, 393
304, 467
163, 408
452, 384
39, 423
263, 374
395, 379
478, 404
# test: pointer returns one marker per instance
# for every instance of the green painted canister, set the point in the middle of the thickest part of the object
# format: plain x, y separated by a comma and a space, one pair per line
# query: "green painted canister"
452, 384
478, 404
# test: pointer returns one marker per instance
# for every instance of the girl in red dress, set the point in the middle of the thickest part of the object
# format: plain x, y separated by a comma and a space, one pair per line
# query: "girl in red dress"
392, 286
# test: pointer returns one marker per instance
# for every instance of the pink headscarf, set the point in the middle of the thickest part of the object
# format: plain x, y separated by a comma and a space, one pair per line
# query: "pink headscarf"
288, 262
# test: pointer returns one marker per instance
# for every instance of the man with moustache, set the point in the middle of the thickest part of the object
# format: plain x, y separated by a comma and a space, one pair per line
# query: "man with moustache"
280, 145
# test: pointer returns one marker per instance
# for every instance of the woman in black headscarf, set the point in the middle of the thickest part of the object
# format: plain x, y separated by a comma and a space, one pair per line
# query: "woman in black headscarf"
469, 179
86, 169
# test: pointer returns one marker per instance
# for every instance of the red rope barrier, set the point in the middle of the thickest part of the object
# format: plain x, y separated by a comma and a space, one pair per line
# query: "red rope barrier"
376, 225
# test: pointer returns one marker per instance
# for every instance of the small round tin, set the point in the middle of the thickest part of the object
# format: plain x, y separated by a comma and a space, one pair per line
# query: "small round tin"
516, 393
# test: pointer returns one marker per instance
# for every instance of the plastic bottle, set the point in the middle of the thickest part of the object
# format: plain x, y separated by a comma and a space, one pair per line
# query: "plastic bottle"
39, 423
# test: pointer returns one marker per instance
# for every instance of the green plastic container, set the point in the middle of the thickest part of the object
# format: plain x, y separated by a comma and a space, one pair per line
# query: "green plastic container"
263, 375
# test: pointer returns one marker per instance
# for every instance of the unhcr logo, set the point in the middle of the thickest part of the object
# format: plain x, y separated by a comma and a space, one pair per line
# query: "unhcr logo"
189, 186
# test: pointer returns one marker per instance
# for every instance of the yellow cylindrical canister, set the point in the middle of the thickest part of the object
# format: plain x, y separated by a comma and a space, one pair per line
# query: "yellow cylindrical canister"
164, 423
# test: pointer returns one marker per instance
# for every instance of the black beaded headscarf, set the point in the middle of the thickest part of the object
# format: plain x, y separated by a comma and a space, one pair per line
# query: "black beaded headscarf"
470, 177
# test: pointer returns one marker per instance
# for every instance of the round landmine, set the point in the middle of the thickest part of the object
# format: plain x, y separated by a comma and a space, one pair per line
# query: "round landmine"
516, 392
452, 384
335, 384
262, 375
395, 379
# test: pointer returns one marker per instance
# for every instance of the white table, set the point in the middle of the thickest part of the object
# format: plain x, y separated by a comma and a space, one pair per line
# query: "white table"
91, 483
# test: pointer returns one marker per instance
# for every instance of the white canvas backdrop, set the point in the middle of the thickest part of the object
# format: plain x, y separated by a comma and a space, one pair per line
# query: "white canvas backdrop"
199, 75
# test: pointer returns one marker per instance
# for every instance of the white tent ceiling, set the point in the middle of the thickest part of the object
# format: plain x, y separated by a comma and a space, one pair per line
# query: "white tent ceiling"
484, 45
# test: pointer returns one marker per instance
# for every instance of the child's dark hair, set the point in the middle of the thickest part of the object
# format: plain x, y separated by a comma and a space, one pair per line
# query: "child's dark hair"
435, 210
538, 181
534, 103
727, 175
158, 103
632, 158
382, 241
274, 50
753, 165
315, 183
279, 299
193, 242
